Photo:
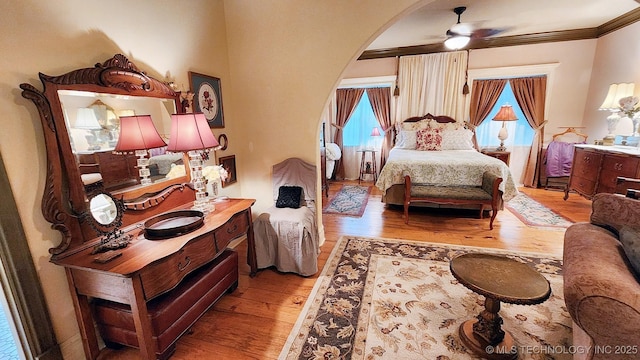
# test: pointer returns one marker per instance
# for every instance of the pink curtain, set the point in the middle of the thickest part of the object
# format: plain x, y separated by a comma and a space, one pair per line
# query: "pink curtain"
380, 102
484, 95
346, 101
530, 95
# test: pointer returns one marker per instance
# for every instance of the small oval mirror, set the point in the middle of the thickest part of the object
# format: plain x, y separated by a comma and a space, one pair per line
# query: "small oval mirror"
103, 209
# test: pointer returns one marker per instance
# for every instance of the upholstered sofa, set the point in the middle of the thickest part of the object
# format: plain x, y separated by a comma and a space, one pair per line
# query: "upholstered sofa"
601, 289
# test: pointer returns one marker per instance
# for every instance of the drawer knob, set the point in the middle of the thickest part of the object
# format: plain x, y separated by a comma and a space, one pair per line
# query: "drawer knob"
181, 266
233, 229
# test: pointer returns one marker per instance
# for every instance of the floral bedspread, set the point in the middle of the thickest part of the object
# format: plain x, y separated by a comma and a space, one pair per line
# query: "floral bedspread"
444, 168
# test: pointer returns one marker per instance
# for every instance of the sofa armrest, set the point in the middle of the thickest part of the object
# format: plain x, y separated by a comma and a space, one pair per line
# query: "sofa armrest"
613, 211
601, 293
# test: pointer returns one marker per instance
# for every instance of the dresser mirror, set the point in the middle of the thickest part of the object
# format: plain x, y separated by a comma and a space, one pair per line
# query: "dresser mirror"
105, 218
92, 122
80, 113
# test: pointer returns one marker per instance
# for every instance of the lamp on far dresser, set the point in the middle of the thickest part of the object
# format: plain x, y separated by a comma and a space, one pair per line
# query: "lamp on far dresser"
191, 133
611, 103
504, 114
137, 135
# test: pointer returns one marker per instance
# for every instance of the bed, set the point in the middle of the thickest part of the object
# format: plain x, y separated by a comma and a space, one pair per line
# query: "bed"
445, 156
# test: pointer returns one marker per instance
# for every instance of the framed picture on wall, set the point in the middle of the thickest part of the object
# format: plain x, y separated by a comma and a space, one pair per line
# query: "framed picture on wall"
207, 98
229, 164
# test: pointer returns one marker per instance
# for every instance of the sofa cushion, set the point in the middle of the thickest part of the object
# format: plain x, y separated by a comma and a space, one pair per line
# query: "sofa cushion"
630, 239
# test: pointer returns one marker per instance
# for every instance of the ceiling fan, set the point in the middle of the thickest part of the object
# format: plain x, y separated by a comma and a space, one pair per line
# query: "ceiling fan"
459, 35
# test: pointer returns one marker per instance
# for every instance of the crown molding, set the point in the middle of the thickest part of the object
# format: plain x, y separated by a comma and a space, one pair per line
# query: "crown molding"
503, 41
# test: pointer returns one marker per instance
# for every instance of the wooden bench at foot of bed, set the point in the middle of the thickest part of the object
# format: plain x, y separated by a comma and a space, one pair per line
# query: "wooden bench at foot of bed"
485, 195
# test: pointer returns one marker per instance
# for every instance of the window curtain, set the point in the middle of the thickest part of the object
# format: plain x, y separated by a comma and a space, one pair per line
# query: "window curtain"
346, 101
380, 99
431, 84
484, 95
530, 95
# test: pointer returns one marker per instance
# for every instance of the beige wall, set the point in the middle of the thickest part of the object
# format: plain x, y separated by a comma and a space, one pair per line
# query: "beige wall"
570, 80
278, 60
617, 59
286, 59
585, 70
53, 37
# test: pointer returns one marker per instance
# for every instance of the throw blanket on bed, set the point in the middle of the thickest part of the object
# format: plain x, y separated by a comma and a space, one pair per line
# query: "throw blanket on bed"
444, 168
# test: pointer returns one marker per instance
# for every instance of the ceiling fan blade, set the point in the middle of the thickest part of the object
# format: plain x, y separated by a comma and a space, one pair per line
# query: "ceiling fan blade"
487, 32
462, 29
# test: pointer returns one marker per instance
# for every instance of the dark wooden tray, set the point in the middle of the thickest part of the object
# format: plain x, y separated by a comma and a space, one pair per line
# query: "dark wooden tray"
172, 224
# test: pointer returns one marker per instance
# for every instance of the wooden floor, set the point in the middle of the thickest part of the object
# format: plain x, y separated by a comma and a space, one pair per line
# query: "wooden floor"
255, 320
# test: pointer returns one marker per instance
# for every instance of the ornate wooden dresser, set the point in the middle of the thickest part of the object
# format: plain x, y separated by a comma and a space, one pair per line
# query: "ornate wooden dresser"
596, 168
158, 288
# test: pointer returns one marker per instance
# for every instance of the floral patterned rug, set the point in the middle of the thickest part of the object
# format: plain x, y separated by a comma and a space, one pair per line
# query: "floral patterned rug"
533, 213
396, 299
351, 200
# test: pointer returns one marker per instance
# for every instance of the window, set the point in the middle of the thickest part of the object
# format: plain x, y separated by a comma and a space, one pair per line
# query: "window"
357, 132
520, 132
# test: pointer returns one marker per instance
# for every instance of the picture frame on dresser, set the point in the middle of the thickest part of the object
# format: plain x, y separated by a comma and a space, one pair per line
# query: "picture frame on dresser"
207, 98
229, 164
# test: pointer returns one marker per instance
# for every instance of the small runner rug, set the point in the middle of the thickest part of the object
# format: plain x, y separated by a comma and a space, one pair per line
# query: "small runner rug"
396, 299
351, 200
535, 214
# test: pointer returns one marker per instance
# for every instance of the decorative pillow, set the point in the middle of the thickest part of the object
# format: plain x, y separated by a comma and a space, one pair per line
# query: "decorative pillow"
630, 239
289, 197
406, 140
429, 139
460, 139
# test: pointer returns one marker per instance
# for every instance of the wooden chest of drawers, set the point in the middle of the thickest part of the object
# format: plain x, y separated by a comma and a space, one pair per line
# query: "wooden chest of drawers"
596, 168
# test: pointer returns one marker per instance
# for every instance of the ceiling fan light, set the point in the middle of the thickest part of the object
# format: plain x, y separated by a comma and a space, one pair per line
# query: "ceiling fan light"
456, 42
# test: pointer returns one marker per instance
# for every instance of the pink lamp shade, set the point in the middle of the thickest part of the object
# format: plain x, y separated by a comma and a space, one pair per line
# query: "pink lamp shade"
190, 132
375, 132
137, 133
505, 114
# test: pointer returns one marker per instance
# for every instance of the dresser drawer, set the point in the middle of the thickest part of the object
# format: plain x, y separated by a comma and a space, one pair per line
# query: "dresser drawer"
234, 228
614, 166
586, 163
582, 185
166, 273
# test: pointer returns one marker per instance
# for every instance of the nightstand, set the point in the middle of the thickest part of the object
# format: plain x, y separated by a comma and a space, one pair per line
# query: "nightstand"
501, 155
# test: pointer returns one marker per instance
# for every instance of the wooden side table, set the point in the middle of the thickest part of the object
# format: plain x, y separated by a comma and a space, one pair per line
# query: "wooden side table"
500, 155
498, 279
372, 170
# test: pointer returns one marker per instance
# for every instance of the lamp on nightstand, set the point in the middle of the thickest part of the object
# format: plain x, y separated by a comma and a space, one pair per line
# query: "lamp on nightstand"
504, 114
137, 135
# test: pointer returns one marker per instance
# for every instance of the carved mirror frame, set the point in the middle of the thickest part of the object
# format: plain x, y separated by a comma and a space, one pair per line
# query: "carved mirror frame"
66, 200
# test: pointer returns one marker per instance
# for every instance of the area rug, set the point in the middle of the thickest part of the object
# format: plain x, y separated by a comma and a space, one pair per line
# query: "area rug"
396, 299
351, 200
533, 213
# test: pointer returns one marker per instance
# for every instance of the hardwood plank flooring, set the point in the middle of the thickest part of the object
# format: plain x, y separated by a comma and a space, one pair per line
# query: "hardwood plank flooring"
254, 321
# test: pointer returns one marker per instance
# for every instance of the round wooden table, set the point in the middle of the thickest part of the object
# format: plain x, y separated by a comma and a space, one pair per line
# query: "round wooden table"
497, 278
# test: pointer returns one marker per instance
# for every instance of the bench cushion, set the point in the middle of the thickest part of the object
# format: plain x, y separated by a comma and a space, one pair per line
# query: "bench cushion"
450, 192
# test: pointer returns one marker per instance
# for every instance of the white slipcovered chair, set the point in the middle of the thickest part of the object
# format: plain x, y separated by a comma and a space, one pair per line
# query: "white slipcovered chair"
287, 237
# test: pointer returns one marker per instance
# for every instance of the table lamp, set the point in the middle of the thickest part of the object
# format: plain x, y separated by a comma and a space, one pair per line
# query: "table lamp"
611, 103
86, 120
191, 133
375, 133
504, 114
137, 135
